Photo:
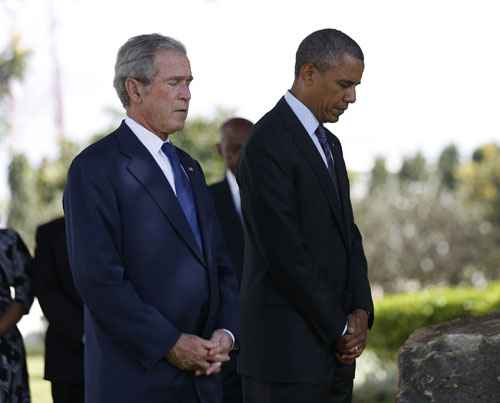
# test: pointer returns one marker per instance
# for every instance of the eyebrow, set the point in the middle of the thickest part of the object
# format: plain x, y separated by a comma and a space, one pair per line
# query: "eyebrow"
351, 83
188, 78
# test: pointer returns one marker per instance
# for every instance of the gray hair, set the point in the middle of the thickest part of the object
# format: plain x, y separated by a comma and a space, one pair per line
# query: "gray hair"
322, 49
136, 57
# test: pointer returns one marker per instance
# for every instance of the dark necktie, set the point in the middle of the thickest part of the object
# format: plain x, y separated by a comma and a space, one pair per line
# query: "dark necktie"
321, 135
184, 191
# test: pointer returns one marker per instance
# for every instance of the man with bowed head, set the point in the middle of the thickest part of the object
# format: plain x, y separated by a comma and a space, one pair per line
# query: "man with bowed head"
145, 249
306, 304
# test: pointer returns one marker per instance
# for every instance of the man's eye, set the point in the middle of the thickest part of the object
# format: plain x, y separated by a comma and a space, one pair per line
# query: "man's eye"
173, 83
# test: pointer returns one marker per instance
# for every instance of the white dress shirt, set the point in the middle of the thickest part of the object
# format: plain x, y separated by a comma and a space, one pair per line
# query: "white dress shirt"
307, 119
235, 190
153, 144
310, 124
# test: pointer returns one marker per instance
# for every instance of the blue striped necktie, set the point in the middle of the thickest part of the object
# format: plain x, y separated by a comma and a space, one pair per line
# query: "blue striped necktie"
184, 191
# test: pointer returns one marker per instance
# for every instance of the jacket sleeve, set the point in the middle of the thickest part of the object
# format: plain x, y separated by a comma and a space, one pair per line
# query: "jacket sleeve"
93, 232
361, 293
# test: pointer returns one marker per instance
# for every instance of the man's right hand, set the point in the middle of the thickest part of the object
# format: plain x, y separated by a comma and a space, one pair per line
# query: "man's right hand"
190, 353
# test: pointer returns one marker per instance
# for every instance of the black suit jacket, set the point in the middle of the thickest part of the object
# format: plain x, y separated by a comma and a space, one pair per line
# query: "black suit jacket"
60, 303
305, 269
231, 225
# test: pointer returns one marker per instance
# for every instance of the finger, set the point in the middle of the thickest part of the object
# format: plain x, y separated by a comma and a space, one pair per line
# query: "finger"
354, 341
350, 324
214, 368
207, 344
220, 358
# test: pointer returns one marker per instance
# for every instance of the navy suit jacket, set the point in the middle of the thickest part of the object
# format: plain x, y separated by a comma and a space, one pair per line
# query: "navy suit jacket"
140, 273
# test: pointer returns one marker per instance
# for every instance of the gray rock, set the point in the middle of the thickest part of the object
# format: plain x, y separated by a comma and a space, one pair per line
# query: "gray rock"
456, 362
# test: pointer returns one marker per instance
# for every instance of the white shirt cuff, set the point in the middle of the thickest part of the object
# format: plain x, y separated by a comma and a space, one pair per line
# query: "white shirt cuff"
232, 336
345, 329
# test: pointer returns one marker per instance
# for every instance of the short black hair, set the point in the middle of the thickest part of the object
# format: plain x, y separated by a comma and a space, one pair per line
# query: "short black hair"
323, 47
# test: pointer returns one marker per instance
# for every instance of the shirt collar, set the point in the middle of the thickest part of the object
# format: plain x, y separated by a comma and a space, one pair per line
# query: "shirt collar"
233, 184
150, 140
303, 113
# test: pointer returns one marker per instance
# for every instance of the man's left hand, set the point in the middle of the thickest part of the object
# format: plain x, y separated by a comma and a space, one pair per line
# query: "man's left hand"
353, 343
220, 353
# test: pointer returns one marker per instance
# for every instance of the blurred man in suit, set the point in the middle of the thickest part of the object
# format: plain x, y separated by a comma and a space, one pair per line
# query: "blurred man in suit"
234, 134
63, 309
145, 248
305, 297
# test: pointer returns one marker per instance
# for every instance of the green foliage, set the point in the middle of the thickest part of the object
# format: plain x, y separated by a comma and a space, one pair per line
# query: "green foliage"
378, 175
12, 66
413, 169
22, 201
448, 166
398, 316
199, 138
481, 180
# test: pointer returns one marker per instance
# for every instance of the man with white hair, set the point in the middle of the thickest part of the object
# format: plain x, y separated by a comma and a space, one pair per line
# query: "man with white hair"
145, 248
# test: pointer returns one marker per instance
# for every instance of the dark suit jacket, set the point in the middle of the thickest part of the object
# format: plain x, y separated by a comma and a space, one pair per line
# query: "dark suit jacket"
231, 225
60, 303
305, 269
232, 230
141, 274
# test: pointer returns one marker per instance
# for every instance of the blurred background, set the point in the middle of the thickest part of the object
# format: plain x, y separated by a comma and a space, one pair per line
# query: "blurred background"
422, 142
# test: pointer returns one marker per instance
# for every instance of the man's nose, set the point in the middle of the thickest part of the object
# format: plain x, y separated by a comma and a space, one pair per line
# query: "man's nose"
185, 92
350, 95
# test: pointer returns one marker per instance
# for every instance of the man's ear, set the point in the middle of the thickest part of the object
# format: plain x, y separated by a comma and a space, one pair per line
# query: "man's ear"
218, 147
134, 90
307, 73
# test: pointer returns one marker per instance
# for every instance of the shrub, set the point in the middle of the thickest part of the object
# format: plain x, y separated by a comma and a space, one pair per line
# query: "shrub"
398, 316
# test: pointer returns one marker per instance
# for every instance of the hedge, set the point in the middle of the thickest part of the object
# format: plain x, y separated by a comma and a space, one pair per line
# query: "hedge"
397, 316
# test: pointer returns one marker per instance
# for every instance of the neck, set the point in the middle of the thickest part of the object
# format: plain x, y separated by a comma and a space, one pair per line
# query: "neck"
299, 92
139, 118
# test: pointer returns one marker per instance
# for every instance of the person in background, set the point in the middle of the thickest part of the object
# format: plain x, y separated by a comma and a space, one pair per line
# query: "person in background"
63, 309
234, 134
15, 273
226, 194
161, 308
306, 304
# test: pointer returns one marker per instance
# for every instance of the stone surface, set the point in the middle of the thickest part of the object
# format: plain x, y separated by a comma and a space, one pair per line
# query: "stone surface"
457, 361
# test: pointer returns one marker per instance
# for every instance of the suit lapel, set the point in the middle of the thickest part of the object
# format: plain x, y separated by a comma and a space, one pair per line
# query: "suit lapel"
313, 158
343, 184
145, 169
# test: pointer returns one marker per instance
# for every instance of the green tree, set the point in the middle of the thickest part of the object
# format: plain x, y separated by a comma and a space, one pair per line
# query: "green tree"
413, 169
378, 175
13, 61
22, 203
199, 137
448, 164
481, 180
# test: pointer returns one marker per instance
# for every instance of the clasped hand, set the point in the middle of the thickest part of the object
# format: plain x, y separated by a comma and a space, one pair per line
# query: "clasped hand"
201, 356
351, 345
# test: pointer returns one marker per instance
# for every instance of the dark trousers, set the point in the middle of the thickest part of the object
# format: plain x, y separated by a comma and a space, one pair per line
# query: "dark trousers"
255, 391
63, 392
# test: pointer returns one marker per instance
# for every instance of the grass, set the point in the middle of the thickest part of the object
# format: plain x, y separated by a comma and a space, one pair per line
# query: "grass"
40, 388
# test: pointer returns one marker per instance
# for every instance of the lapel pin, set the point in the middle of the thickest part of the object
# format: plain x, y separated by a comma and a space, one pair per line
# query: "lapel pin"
190, 169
